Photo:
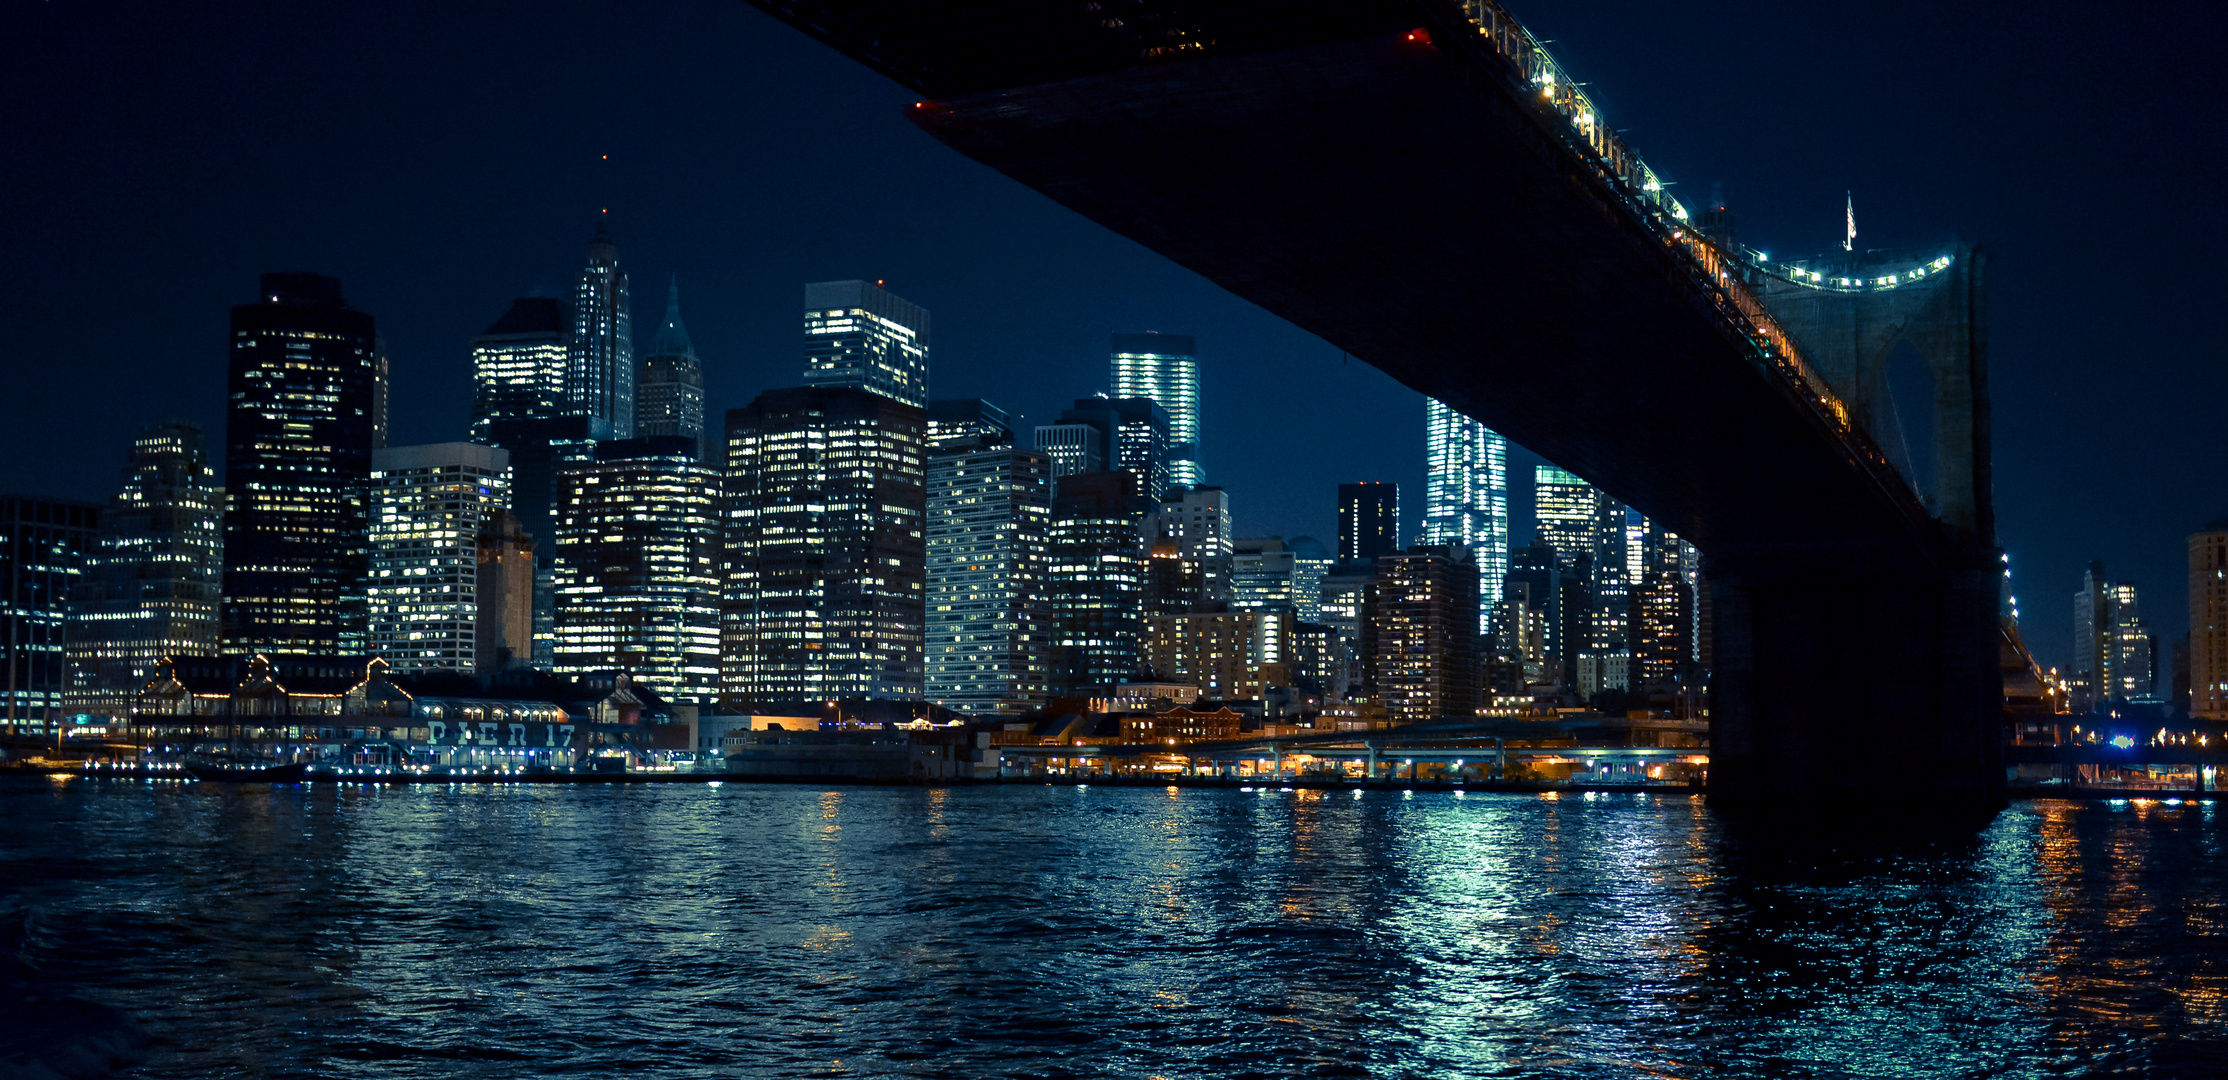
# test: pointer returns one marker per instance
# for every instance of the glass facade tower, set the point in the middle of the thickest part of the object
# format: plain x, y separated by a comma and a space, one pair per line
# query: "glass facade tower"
859, 336
1466, 494
637, 567
1165, 369
43, 547
988, 627
298, 439
824, 561
151, 584
1095, 575
599, 377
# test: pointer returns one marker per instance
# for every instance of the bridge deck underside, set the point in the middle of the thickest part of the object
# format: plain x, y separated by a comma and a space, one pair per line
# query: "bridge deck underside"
1411, 211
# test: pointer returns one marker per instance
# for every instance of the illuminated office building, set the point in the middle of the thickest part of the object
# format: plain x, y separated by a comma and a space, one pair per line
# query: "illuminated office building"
669, 398
637, 567
1368, 519
1265, 577
1164, 368
429, 506
1100, 433
151, 582
1570, 514
824, 564
954, 421
1094, 574
1197, 521
599, 364
1226, 654
1466, 494
519, 365
1420, 634
2208, 622
1600, 540
1310, 562
44, 544
1663, 630
299, 434
988, 625
1072, 448
861, 337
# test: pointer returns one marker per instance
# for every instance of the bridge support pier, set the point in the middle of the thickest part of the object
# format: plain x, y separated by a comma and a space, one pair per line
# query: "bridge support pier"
1886, 689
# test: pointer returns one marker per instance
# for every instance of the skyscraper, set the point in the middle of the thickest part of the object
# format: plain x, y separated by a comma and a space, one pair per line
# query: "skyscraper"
1570, 514
519, 364
2114, 656
429, 506
599, 377
1095, 565
989, 628
1663, 606
861, 337
1165, 369
2208, 621
1073, 447
1100, 433
1544, 586
670, 398
1466, 494
298, 441
824, 565
953, 421
1310, 562
1226, 654
541, 447
1368, 519
1197, 521
1421, 633
43, 548
637, 567
151, 583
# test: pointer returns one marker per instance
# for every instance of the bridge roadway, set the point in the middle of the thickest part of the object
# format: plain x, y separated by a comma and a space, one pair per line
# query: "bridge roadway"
1419, 184
1482, 744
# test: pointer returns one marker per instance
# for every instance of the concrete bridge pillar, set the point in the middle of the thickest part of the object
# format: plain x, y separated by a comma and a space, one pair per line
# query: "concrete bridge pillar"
1856, 687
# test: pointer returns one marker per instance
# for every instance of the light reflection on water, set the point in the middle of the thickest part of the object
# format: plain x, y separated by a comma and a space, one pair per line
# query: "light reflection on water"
1067, 931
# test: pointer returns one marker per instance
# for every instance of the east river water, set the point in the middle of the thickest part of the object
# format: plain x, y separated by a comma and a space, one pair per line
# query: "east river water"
773, 931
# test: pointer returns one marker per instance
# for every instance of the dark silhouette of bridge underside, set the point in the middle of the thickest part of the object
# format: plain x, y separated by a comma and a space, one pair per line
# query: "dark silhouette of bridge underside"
1394, 193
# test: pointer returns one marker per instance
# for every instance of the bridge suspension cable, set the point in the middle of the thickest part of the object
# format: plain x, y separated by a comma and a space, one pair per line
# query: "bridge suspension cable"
1719, 273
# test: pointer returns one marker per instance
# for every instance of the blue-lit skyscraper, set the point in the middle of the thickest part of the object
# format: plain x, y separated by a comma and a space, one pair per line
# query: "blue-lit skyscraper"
1466, 494
860, 337
1165, 368
599, 376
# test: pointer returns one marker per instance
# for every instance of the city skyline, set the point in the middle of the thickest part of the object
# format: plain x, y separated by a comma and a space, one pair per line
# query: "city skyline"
1019, 286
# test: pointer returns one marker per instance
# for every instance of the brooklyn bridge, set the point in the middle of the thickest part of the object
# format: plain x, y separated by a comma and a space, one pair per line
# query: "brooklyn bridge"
1419, 183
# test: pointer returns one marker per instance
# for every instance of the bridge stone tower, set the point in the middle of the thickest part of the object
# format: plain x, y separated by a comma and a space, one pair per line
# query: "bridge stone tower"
1875, 676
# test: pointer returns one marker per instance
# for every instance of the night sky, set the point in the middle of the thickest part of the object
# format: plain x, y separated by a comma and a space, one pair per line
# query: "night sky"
442, 159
